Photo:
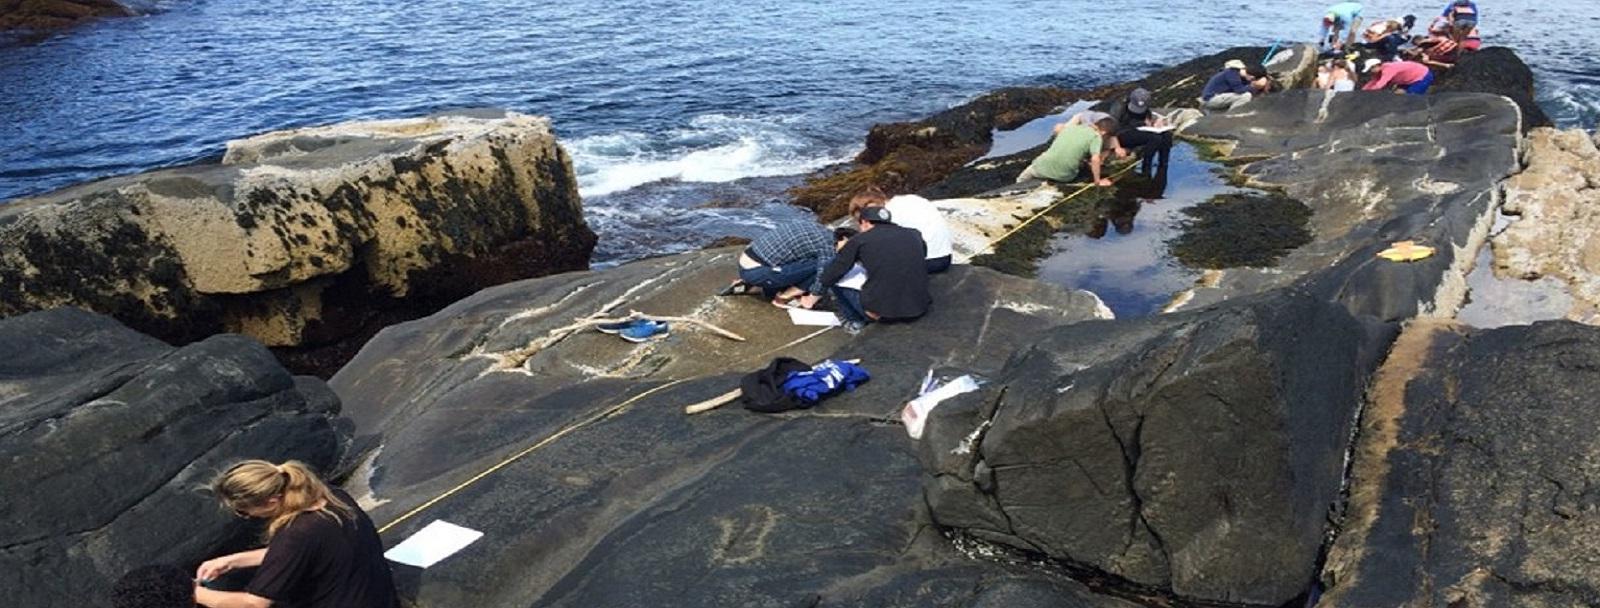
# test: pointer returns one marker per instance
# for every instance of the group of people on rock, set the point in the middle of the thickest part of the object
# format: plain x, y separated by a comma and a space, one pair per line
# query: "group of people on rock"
895, 245
323, 550
1396, 59
1127, 128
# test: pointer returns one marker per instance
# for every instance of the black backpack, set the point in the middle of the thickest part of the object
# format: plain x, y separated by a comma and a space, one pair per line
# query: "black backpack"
762, 390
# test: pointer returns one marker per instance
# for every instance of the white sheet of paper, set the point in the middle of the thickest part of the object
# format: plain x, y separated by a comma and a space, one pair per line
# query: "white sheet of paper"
432, 543
855, 279
819, 318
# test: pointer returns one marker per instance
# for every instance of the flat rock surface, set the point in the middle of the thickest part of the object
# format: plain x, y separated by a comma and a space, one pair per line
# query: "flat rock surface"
107, 438
1473, 480
1375, 168
624, 500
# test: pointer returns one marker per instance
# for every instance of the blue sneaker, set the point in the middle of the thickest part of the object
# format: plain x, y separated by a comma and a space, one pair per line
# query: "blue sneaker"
645, 331
617, 328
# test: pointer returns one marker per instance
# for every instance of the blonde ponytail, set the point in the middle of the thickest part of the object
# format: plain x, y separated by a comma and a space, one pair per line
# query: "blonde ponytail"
252, 483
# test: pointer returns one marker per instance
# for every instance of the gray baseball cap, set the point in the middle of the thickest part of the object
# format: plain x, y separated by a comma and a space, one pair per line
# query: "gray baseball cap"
1139, 101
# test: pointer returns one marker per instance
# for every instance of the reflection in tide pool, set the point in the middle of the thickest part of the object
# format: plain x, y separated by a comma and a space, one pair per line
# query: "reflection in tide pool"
1123, 256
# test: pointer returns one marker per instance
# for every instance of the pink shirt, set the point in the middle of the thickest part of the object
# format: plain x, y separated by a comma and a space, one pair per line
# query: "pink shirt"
1398, 73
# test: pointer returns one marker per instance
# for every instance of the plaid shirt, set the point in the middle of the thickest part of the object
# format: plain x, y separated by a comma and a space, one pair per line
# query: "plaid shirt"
795, 243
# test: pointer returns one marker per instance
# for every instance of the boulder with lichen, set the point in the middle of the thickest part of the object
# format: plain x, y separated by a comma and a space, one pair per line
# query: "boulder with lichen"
296, 232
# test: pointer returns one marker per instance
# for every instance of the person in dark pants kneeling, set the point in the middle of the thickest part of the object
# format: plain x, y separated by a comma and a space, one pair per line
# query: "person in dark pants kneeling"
897, 277
784, 261
1136, 126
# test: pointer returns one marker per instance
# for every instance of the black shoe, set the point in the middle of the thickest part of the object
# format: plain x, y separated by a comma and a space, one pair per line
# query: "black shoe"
736, 289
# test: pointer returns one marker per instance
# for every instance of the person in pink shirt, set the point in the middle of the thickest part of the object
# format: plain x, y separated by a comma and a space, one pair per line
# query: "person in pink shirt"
1410, 76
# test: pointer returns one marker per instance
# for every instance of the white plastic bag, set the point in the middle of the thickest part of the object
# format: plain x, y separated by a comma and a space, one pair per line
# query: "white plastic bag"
915, 413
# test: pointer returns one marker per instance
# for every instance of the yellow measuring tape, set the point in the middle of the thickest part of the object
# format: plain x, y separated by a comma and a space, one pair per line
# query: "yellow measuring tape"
990, 247
608, 412
602, 415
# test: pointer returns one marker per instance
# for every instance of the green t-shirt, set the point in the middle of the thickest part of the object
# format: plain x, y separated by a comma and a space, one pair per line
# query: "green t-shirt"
1072, 146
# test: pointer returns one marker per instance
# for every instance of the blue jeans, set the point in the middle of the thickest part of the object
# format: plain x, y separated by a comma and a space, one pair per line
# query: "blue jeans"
849, 301
1420, 87
773, 279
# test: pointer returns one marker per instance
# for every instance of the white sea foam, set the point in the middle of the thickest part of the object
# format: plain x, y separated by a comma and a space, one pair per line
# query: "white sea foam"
712, 148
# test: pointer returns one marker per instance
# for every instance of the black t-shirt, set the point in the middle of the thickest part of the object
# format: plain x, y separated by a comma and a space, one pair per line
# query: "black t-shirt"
897, 276
319, 562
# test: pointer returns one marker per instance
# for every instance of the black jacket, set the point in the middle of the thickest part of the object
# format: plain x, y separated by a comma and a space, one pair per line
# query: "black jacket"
897, 279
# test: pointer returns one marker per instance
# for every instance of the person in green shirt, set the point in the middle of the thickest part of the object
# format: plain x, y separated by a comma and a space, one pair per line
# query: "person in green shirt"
1074, 144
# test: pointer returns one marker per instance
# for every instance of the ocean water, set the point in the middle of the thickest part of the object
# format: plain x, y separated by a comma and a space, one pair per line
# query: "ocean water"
687, 119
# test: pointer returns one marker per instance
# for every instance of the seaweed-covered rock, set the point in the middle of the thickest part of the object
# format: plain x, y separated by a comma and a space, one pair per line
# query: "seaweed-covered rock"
1496, 70
621, 499
55, 14
912, 156
906, 156
107, 436
297, 234
1473, 482
1234, 230
1194, 455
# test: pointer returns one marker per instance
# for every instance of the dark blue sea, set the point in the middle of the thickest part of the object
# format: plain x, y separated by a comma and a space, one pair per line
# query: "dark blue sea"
687, 119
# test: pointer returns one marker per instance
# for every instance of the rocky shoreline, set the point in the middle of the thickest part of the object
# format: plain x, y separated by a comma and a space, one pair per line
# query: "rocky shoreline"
1317, 427
47, 15
308, 240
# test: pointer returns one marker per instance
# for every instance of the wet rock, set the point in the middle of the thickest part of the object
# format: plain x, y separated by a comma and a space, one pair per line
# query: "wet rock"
1194, 455
297, 235
624, 500
55, 14
1554, 199
917, 155
1472, 483
907, 156
1375, 168
107, 437
1499, 71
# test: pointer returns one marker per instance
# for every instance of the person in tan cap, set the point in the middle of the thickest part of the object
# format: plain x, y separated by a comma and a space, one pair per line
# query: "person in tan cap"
1228, 89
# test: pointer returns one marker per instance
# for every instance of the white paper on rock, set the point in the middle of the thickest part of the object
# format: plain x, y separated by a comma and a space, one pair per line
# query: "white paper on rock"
432, 543
819, 318
855, 279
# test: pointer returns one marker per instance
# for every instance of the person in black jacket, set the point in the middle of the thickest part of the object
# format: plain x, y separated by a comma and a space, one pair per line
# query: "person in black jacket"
1135, 130
897, 279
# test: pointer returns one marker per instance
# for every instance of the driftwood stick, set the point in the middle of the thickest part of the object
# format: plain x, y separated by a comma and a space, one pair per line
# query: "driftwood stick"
714, 402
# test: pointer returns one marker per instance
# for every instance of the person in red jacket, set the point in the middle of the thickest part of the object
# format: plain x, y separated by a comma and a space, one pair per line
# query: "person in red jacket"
1409, 76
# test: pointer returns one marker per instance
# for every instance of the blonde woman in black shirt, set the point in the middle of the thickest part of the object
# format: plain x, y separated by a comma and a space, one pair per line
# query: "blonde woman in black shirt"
322, 550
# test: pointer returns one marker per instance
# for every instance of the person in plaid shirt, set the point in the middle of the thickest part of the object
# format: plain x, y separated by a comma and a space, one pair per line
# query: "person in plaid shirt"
784, 262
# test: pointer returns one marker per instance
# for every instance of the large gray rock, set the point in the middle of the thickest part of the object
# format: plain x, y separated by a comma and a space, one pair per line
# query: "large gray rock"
624, 500
107, 437
1199, 454
298, 232
1195, 454
1474, 480
1375, 168
1557, 211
